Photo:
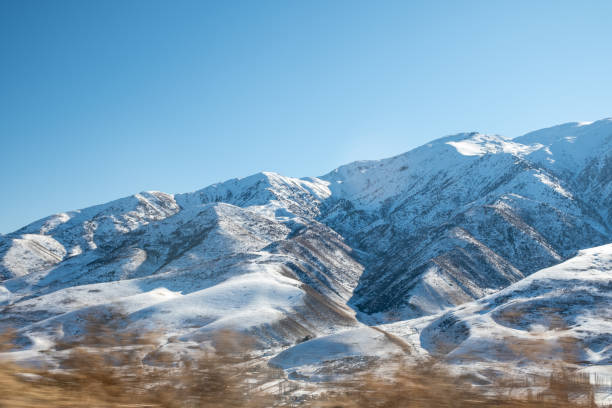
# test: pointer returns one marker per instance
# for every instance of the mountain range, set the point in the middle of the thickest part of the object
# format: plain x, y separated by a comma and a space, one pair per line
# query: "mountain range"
448, 249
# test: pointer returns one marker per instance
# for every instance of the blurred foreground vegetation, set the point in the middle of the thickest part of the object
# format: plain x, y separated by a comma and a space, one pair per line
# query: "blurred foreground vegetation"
106, 369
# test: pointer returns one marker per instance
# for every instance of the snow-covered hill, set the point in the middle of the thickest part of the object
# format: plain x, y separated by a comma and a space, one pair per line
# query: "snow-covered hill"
567, 301
559, 313
287, 259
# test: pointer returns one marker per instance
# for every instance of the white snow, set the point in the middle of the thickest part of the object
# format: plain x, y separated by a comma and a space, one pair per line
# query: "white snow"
479, 145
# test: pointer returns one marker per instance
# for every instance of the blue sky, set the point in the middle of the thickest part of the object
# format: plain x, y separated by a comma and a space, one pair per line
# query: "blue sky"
104, 99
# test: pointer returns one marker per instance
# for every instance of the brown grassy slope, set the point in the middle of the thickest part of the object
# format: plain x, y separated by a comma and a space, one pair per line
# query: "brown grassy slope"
106, 369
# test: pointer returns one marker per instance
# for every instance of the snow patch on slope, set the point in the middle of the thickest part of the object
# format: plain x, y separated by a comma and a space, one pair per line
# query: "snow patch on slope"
479, 145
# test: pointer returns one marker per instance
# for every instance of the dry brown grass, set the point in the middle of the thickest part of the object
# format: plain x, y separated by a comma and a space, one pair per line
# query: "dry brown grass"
430, 386
106, 368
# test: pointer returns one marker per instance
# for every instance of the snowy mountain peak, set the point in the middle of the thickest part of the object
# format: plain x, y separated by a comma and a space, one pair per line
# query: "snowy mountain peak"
596, 129
570, 147
267, 190
480, 144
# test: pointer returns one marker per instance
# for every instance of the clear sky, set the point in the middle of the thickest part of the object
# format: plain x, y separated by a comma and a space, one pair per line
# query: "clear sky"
102, 99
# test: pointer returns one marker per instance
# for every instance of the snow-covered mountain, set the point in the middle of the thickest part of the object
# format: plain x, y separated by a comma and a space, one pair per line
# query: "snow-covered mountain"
288, 260
469, 214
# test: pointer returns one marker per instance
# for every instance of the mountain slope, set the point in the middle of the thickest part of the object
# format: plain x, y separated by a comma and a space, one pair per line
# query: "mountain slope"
559, 313
567, 301
204, 267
